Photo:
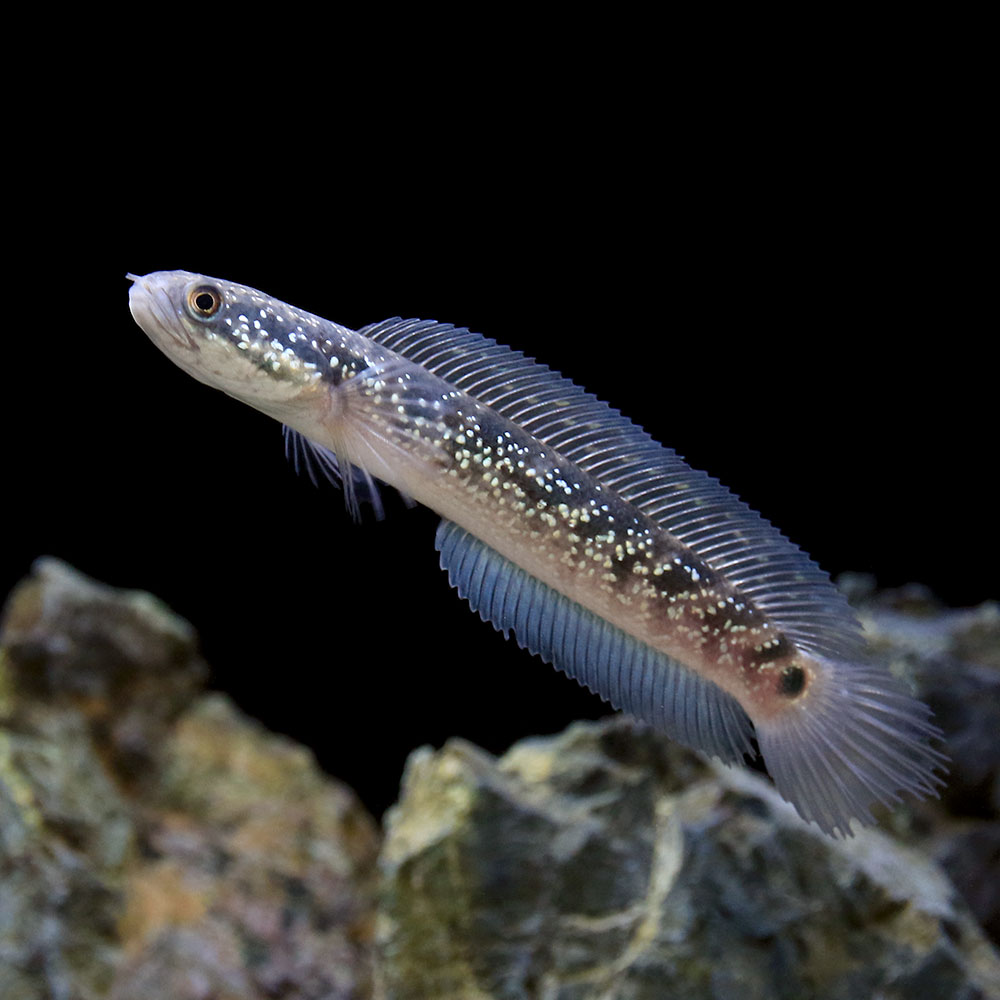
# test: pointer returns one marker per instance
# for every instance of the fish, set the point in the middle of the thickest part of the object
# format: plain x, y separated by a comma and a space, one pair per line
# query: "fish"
570, 527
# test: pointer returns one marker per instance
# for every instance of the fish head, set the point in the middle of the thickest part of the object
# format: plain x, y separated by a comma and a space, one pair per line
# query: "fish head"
231, 337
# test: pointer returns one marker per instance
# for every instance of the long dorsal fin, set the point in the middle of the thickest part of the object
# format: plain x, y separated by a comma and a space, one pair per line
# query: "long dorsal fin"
774, 574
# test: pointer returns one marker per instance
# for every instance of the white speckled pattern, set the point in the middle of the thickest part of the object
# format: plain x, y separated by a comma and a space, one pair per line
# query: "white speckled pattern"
716, 619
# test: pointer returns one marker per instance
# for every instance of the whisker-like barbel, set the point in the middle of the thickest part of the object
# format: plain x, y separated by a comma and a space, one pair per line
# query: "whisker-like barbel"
567, 525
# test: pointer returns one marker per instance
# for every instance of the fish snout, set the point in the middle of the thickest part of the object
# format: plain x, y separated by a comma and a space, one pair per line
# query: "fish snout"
156, 313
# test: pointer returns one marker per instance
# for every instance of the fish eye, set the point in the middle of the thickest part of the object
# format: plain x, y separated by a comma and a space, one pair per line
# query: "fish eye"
791, 681
204, 301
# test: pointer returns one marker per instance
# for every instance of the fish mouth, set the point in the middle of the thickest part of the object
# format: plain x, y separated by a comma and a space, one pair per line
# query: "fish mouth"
152, 309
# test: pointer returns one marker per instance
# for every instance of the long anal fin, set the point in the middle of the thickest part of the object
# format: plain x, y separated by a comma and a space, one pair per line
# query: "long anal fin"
624, 671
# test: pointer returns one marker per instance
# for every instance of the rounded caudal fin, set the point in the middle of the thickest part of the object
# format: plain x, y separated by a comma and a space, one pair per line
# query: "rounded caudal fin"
854, 739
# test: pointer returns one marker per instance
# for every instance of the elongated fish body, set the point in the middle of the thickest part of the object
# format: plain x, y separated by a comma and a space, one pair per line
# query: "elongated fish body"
564, 523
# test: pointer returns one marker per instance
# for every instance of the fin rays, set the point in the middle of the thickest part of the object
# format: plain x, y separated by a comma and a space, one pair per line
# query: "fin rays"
689, 504
856, 739
619, 668
319, 463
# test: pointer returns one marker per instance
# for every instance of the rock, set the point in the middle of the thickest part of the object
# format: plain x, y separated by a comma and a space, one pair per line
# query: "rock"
257, 879
153, 841
609, 863
120, 658
66, 839
156, 843
954, 658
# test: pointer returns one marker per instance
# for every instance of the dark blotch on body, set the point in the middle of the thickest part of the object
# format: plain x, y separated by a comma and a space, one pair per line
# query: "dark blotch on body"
775, 650
310, 356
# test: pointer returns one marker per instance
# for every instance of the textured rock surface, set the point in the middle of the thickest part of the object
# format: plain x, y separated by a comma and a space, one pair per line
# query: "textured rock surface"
607, 863
954, 658
66, 839
119, 658
154, 842
256, 880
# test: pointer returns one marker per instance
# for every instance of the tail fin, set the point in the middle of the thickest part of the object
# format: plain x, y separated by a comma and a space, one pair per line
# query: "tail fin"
855, 738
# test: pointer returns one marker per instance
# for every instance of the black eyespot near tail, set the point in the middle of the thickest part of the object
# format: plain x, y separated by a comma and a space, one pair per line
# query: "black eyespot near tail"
854, 738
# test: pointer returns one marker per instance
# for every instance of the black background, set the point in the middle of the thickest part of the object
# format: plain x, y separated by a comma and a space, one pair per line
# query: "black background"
787, 290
